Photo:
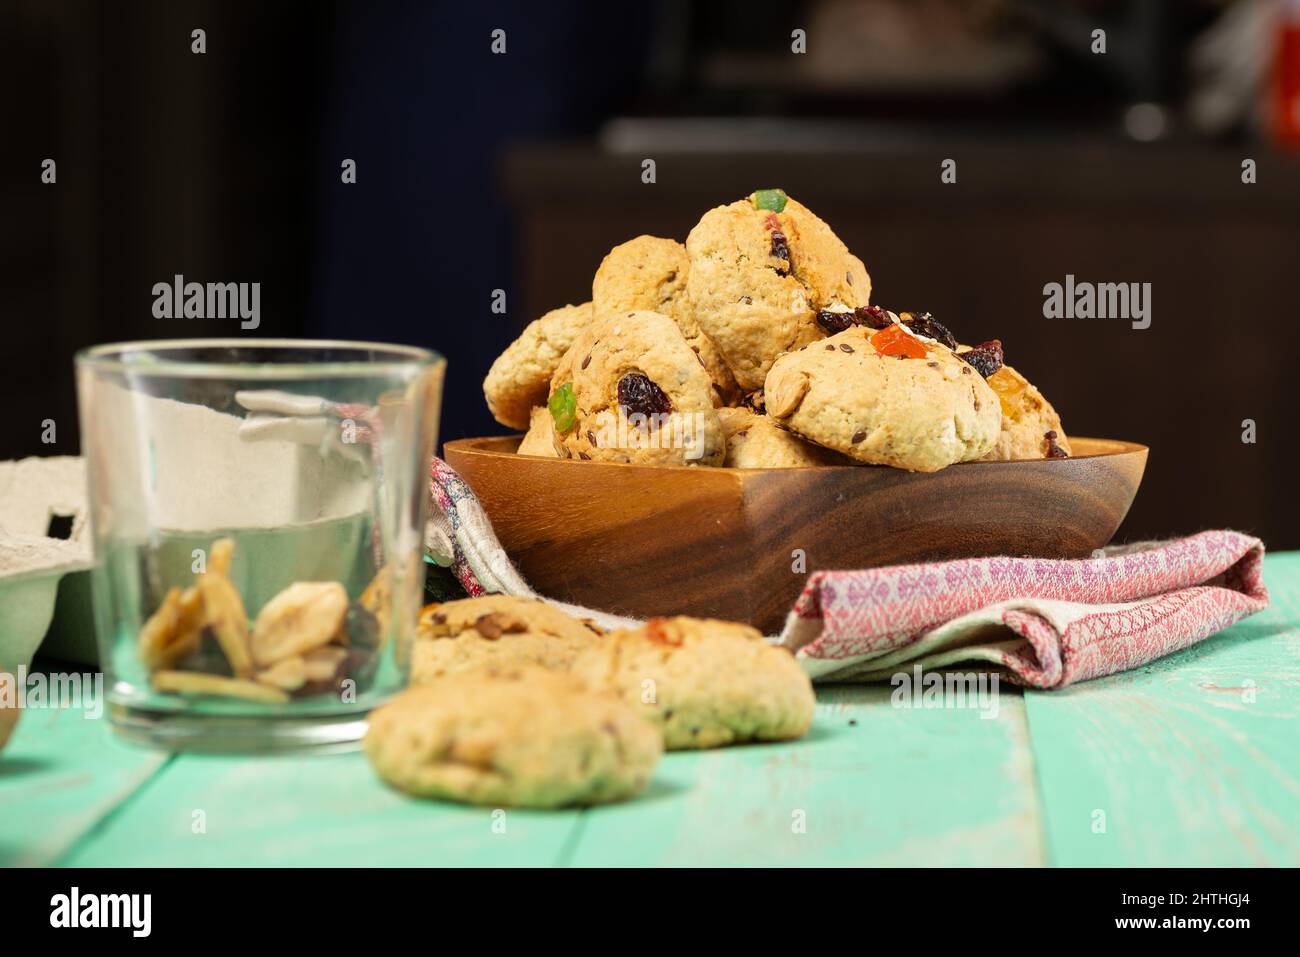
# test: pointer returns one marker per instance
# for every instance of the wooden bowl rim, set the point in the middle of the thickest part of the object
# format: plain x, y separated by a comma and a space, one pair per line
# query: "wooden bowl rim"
483, 445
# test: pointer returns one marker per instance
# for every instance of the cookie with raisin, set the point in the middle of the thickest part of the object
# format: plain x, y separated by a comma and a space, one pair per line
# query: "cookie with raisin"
631, 390
761, 269
539, 440
885, 397
649, 273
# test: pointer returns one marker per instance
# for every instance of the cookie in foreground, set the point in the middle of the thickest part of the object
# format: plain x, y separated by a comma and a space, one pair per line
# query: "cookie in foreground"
521, 737
496, 630
705, 683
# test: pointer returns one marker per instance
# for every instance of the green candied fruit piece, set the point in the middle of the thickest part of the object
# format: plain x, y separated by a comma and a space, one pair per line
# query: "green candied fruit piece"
563, 405
773, 199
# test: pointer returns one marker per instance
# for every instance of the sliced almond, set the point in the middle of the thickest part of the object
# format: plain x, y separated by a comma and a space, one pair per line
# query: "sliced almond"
188, 682
289, 674
220, 555
192, 615
186, 644
784, 392
159, 633
224, 613
304, 616
375, 598
323, 663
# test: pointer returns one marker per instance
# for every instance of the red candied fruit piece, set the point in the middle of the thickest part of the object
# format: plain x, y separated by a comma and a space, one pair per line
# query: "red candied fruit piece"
659, 630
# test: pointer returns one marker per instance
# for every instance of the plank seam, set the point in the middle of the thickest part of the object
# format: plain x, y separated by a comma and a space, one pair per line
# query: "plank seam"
101, 824
569, 849
1040, 793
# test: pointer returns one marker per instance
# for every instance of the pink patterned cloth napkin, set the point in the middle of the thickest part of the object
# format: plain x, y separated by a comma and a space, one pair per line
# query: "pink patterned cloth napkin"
1048, 623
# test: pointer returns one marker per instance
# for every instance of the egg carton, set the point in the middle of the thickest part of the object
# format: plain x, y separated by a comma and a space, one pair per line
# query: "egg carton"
45, 560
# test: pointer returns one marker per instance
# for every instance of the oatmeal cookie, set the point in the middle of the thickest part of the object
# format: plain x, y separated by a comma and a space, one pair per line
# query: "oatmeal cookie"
1027, 418
521, 737
758, 277
631, 390
649, 273
540, 438
705, 683
496, 630
885, 397
756, 442
519, 378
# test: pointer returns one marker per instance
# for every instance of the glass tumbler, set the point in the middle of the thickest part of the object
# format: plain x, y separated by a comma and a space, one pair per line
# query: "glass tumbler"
258, 510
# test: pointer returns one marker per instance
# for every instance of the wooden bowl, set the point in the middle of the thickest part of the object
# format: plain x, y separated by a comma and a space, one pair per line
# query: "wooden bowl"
718, 542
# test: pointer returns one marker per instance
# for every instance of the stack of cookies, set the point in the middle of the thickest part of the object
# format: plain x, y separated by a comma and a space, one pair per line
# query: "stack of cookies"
755, 345
514, 703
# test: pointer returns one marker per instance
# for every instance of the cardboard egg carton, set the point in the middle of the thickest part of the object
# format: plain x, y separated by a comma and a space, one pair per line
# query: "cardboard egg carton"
44, 538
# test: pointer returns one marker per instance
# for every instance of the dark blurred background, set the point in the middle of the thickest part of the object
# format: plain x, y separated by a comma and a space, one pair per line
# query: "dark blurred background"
479, 171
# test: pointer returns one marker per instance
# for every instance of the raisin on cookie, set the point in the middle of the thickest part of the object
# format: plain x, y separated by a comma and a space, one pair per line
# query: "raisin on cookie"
759, 277
885, 397
631, 390
714, 682
649, 273
522, 737
499, 630
520, 377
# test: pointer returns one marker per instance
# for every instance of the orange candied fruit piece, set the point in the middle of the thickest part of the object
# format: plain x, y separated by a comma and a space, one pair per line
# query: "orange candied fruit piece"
893, 340
1008, 386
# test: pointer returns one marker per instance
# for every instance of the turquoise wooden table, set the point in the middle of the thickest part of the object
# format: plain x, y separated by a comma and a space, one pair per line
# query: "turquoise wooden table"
1192, 760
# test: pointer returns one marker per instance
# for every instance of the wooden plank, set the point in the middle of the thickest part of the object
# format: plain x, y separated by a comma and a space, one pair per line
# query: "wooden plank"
60, 776
1186, 768
308, 811
872, 784
1193, 760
